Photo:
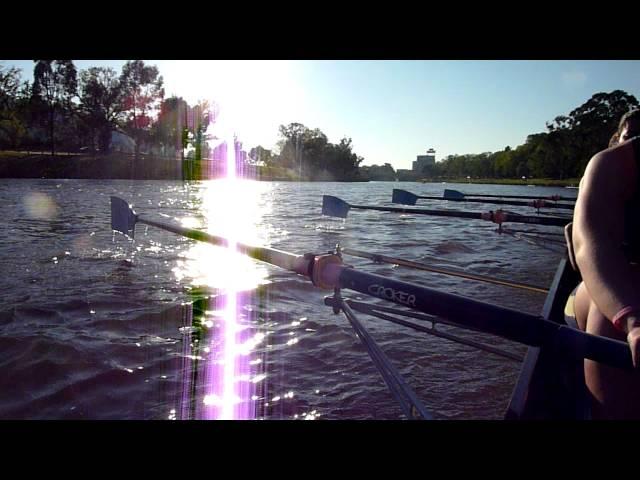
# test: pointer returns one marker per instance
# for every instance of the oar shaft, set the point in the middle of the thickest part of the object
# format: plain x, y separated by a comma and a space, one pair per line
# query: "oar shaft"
421, 211
506, 323
507, 217
570, 199
532, 219
511, 324
485, 317
546, 203
428, 268
279, 258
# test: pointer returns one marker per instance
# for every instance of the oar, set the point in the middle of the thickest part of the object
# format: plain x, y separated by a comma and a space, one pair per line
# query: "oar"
336, 207
407, 198
454, 273
457, 194
124, 219
327, 272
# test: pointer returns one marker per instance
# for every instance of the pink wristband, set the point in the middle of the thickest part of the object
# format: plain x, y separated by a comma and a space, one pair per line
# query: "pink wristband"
621, 315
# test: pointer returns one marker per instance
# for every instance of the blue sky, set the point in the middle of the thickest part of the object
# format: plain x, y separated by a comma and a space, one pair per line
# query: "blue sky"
393, 110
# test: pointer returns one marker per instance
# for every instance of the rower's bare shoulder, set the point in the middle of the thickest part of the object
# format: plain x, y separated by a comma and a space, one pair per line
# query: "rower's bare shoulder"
614, 165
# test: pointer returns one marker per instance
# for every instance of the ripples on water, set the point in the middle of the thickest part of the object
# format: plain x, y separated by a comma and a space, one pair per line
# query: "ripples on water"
95, 326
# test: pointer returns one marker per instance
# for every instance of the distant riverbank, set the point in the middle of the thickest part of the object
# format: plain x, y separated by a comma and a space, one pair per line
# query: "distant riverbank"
146, 167
83, 166
120, 166
539, 182
115, 166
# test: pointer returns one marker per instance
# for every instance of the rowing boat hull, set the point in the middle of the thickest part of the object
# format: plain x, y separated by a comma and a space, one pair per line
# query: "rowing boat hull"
551, 385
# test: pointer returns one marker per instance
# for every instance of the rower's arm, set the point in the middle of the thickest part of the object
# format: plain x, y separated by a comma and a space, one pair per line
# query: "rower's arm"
598, 230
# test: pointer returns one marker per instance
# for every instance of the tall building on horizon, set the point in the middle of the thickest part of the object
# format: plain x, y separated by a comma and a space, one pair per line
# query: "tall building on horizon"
422, 161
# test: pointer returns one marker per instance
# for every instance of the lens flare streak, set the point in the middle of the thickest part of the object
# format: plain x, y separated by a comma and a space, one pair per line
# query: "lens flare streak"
229, 394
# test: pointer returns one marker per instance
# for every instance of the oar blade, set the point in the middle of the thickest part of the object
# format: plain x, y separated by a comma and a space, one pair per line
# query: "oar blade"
123, 218
334, 207
453, 195
403, 197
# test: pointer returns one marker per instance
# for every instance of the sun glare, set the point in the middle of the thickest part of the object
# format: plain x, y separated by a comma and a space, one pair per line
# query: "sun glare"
255, 97
237, 210
233, 209
252, 99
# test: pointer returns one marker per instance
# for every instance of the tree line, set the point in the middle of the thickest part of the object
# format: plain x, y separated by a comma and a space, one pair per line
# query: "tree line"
561, 152
66, 110
307, 154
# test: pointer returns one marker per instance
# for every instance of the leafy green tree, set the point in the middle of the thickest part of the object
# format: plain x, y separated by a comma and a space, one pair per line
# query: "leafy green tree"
309, 153
201, 115
344, 162
561, 152
55, 83
291, 144
260, 154
142, 90
171, 128
12, 126
591, 125
503, 163
380, 173
100, 104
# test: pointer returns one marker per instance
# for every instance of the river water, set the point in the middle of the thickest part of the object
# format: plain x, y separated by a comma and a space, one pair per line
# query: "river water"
94, 325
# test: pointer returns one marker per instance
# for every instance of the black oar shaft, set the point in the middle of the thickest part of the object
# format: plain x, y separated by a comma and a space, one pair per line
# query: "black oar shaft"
511, 324
507, 217
570, 199
547, 204
507, 323
531, 219
421, 211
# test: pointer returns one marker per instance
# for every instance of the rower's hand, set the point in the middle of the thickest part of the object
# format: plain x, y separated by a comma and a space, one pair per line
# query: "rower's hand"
633, 337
